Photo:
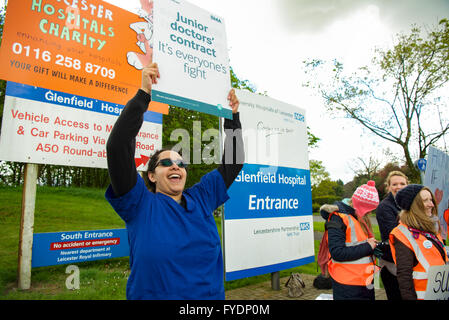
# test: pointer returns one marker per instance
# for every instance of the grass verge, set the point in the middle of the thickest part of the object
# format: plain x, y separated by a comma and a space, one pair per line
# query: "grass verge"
71, 209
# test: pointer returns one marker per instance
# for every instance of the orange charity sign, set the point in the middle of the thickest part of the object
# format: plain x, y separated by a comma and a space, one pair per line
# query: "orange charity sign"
84, 47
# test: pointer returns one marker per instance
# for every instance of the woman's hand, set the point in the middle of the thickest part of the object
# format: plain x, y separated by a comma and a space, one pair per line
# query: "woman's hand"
233, 101
372, 242
150, 74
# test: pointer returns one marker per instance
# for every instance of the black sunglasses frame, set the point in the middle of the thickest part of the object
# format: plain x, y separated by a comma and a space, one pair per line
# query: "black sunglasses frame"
167, 162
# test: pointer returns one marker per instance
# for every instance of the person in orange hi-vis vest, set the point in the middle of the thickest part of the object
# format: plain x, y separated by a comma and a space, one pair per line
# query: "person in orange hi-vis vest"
351, 244
416, 243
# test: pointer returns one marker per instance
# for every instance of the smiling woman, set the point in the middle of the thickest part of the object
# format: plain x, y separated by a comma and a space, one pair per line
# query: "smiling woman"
387, 218
416, 243
175, 250
167, 173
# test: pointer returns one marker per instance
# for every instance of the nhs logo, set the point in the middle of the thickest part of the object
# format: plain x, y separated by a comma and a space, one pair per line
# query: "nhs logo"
215, 18
299, 116
303, 226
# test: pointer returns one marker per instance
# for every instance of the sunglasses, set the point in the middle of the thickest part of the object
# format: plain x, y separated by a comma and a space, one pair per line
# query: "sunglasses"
169, 162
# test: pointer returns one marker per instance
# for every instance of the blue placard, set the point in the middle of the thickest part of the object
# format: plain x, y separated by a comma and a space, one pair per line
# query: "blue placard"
54, 248
269, 192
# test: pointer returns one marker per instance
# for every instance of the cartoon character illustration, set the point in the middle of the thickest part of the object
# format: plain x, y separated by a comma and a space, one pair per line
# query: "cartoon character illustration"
144, 32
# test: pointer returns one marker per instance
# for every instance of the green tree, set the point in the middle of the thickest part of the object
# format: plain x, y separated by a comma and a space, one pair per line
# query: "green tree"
381, 176
318, 172
326, 192
401, 96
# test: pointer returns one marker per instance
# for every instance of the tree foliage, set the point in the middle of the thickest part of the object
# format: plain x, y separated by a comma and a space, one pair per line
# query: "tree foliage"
318, 172
401, 97
379, 175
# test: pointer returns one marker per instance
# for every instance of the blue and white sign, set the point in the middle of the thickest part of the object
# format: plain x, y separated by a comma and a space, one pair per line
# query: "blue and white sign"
271, 192
422, 163
268, 224
52, 127
190, 47
54, 248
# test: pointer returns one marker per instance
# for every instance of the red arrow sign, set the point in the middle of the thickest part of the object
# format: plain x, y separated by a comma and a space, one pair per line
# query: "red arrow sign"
142, 160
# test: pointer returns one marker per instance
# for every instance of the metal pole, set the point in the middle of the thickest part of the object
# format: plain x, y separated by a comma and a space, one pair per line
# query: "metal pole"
27, 226
220, 155
275, 281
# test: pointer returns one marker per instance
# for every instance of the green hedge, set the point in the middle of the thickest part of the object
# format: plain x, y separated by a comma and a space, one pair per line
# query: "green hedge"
325, 199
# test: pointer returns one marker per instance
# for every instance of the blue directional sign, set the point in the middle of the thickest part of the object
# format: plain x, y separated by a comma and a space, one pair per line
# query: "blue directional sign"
422, 163
54, 248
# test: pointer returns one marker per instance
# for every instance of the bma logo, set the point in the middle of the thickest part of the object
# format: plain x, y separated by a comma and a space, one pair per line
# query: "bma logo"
215, 18
303, 226
299, 116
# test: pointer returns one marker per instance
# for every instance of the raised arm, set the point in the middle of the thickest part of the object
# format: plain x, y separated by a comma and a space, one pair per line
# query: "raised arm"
121, 143
234, 154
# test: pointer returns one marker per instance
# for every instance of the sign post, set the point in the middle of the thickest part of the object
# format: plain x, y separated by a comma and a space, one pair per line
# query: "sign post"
27, 226
275, 281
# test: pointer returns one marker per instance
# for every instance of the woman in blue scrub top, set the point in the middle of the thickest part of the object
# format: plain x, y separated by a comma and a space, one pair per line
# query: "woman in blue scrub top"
175, 250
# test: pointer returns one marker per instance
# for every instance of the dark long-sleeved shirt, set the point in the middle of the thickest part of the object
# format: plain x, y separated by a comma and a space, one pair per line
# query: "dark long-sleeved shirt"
387, 219
387, 216
122, 141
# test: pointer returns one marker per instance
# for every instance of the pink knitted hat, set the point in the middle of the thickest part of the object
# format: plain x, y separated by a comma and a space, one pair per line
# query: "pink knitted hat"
365, 198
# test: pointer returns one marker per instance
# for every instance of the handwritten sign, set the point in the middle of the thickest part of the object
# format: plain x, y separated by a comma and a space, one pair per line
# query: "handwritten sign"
438, 283
437, 179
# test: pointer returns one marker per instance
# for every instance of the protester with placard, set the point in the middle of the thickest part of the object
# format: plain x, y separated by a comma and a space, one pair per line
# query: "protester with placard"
351, 245
416, 243
387, 219
175, 250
